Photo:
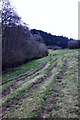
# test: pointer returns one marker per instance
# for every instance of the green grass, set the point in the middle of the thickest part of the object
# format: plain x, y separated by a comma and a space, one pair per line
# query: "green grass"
28, 67
33, 91
6, 86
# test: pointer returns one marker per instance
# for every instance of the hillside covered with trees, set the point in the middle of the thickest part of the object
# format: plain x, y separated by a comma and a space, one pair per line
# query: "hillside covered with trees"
56, 42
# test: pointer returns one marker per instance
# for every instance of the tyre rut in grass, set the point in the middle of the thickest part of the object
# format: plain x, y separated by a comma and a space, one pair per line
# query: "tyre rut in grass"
25, 75
21, 78
32, 87
50, 102
53, 97
36, 73
30, 93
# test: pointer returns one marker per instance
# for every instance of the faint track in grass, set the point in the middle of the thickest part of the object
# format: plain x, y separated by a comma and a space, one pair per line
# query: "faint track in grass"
41, 85
35, 85
51, 101
37, 73
22, 78
54, 106
28, 103
25, 75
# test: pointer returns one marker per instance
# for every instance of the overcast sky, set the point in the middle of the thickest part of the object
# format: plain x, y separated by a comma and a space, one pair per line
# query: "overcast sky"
58, 17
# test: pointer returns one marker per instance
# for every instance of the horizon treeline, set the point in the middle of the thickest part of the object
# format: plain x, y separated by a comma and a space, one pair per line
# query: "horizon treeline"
57, 42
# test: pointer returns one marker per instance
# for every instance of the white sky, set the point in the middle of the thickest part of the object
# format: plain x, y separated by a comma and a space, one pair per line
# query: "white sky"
58, 17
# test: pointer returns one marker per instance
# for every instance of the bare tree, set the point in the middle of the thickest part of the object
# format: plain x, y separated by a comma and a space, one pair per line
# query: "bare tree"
9, 16
18, 44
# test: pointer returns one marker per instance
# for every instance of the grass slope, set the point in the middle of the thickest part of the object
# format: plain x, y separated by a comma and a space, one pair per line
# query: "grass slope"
43, 88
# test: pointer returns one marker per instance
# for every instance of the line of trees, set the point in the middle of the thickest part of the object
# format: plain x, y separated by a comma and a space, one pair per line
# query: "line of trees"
18, 44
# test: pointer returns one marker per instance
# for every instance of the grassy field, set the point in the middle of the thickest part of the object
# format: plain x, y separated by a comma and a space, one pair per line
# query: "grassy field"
43, 88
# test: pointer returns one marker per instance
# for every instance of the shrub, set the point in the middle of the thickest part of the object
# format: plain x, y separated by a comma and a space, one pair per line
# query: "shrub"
74, 44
